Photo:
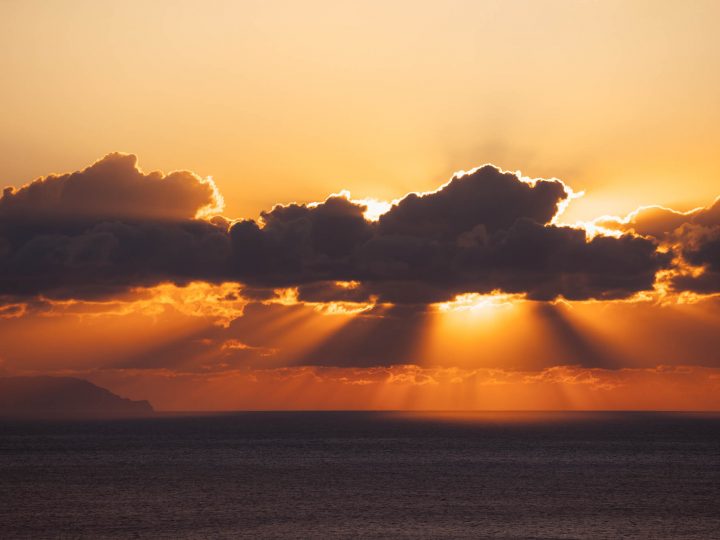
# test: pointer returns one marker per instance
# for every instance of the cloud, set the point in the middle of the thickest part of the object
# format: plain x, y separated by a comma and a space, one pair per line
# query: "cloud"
110, 227
693, 237
99, 259
482, 231
112, 188
655, 221
486, 197
300, 243
700, 247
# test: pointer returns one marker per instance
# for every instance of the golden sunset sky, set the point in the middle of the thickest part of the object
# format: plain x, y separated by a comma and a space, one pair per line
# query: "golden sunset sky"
286, 101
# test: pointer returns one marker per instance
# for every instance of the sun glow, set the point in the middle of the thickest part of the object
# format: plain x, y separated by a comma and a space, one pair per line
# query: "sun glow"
593, 229
476, 302
291, 297
342, 308
214, 208
347, 284
375, 208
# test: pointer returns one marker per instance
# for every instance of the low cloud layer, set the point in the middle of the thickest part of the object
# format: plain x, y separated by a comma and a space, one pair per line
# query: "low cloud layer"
426, 389
109, 227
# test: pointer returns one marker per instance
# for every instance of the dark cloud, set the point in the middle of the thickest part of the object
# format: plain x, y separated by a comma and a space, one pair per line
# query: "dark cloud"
483, 231
110, 227
112, 187
699, 247
544, 261
108, 257
693, 237
486, 197
299, 243
700, 244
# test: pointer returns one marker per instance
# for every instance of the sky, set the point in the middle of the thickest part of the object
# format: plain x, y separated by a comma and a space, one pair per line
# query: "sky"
364, 205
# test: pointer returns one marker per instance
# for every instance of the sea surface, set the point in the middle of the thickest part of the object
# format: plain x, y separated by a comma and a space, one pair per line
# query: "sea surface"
363, 475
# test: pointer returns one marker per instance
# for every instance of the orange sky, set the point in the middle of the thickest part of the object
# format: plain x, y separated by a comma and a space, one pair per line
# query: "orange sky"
286, 101
181, 350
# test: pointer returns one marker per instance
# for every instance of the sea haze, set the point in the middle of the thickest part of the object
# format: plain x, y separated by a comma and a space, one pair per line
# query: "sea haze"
364, 474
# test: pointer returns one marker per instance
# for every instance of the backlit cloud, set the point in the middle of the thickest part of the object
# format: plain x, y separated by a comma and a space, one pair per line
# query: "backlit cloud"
693, 237
110, 227
112, 188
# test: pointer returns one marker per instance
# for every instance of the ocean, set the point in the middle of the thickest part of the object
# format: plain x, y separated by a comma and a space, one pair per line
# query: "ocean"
364, 475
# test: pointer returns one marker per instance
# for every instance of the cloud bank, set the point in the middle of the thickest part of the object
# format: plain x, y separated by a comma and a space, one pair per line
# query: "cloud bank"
111, 227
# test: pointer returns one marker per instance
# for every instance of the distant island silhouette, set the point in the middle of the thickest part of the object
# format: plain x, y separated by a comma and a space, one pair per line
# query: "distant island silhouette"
64, 397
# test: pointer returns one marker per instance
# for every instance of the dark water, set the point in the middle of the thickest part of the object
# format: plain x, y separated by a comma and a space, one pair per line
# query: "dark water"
343, 475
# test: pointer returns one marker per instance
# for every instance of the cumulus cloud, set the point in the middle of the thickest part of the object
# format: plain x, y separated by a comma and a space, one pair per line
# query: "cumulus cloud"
483, 231
110, 227
700, 247
655, 221
693, 237
486, 197
113, 187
